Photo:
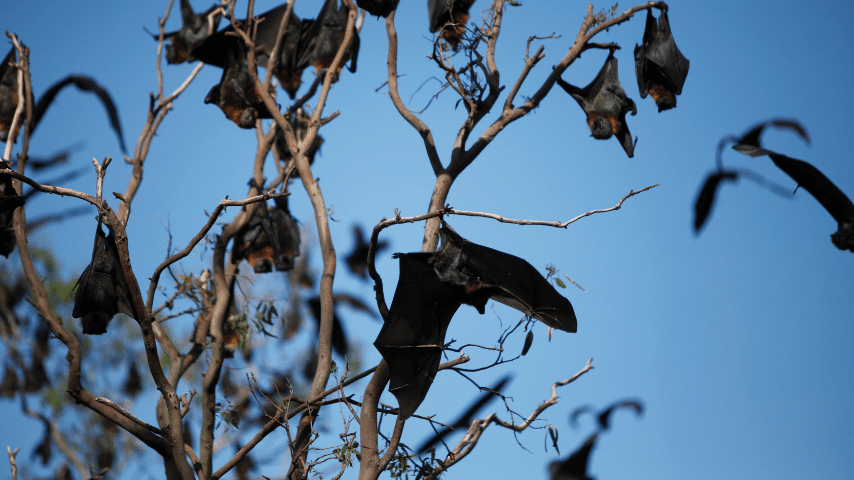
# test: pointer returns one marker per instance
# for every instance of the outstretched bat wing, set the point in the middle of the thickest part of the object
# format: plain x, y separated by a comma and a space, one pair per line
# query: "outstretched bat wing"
574, 467
86, 84
413, 335
706, 198
605, 103
485, 273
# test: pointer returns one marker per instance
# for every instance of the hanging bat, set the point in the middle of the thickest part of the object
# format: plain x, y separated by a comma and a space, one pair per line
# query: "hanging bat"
9, 97
214, 50
236, 94
357, 261
449, 17
606, 104
660, 66
706, 197
102, 290
270, 239
339, 338
378, 8
575, 467
431, 288
299, 124
816, 183
323, 38
194, 30
9, 201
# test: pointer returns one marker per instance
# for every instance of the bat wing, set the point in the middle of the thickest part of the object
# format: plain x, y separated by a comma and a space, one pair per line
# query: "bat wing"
312, 34
486, 273
575, 467
828, 195
85, 84
706, 198
8, 93
339, 339
413, 335
378, 8
286, 235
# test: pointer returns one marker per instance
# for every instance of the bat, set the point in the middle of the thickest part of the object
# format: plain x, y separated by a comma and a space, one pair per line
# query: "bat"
9, 201
706, 197
299, 124
431, 288
323, 38
339, 339
194, 30
606, 104
378, 8
236, 94
465, 419
9, 98
449, 17
810, 178
660, 66
102, 291
85, 84
357, 261
270, 239
604, 417
214, 49
8, 93
575, 466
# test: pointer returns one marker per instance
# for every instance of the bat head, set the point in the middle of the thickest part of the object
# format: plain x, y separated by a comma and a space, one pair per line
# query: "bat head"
247, 118
95, 323
601, 128
664, 98
177, 52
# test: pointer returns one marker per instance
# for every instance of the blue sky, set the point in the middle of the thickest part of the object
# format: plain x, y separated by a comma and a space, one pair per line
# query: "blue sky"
738, 341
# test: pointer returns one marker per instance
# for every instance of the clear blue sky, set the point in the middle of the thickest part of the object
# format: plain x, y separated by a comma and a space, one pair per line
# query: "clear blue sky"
738, 341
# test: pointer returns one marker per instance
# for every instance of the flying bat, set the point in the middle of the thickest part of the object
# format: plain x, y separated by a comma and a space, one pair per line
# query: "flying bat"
9, 201
102, 290
606, 104
816, 183
214, 49
237, 94
270, 239
575, 466
604, 417
660, 66
465, 419
449, 17
378, 8
431, 288
9, 98
194, 30
357, 261
706, 197
339, 338
323, 38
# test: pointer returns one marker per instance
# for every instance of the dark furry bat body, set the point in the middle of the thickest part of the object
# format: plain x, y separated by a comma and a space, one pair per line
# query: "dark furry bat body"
214, 50
575, 466
299, 123
449, 17
324, 37
431, 288
270, 239
660, 66
378, 8
194, 30
9, 98
236, 94
9, 201
101, 290
606, 105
